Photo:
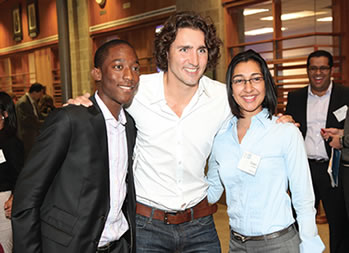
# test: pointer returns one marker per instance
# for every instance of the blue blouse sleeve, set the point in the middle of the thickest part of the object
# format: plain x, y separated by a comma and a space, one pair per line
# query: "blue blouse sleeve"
302, 192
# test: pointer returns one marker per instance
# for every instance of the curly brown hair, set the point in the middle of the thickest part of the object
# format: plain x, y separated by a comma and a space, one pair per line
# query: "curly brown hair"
168, 33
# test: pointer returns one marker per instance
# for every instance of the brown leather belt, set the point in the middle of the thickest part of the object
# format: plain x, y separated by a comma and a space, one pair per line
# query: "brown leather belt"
200, 210
243, 238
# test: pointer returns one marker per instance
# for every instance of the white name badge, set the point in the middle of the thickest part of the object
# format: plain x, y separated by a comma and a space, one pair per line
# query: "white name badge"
249, 163
2, 157
341, 113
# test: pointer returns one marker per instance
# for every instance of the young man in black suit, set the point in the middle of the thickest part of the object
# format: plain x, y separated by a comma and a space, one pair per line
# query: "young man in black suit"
317, 106
76, 191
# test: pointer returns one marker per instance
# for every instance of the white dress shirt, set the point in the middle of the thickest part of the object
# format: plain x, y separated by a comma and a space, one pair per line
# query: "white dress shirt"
116, 224
171, 151
317, 108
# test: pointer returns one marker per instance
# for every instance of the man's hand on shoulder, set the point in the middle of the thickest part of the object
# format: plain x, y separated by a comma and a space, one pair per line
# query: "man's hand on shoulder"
80, 100
286, 119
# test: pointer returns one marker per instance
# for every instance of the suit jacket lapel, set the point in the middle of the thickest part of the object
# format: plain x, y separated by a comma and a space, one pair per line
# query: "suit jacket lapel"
130, 136
303, 102
333, 105
98, 123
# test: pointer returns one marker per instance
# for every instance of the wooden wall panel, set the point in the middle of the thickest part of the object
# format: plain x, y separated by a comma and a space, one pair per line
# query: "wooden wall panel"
43, 69
47, 21
114, 10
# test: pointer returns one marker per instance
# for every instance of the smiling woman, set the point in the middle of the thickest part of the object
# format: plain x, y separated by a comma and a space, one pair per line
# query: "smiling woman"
257, 161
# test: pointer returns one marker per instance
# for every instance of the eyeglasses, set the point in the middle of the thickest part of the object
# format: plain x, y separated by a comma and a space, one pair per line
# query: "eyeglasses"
253, 80
323, 69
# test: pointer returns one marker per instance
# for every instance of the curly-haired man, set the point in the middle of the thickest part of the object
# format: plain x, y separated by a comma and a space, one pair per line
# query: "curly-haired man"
178, 111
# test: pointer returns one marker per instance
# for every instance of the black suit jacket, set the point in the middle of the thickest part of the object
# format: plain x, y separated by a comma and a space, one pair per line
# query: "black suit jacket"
12, 149
62, 197
297, 107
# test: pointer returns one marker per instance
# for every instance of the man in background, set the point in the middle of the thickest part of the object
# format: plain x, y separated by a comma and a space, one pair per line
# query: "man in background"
317, 106
28, 116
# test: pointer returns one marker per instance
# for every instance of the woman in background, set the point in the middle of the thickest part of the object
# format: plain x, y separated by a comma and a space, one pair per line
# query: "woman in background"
11, 162
257, 161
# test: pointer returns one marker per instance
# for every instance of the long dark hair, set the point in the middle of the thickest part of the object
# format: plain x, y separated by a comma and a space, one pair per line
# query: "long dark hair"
270, 100
7, 105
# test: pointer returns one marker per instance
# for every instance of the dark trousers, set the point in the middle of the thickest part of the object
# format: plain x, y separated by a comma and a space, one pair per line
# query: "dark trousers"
344, 184
333, 202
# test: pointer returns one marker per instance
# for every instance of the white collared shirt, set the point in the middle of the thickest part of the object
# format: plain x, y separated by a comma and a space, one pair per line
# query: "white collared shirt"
317, 108
171, 151
116, 224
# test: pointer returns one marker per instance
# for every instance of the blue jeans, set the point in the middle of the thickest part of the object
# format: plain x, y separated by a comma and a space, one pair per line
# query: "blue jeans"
196, 236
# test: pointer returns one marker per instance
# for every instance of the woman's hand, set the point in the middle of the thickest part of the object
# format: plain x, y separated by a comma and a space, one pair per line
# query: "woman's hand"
8, 207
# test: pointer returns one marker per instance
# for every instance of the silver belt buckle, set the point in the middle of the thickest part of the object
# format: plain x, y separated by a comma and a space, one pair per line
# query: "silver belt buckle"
240, 238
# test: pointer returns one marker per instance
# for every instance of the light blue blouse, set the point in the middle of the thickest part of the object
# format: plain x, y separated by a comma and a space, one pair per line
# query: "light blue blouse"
259, 204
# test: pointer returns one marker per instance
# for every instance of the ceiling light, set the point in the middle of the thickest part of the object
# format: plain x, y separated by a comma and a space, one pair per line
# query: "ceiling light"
295, 15
248, 12
262, 31
325, 19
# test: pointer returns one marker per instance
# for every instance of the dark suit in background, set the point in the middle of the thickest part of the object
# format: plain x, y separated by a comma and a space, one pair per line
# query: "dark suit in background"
62, 196
331, 197
28, 123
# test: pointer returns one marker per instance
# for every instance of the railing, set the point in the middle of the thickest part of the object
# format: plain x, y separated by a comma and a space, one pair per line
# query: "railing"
17, 83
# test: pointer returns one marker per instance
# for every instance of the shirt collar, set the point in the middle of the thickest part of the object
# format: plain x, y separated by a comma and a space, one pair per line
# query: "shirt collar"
30, 98
261, 117
160, 94
107, 114
328, 92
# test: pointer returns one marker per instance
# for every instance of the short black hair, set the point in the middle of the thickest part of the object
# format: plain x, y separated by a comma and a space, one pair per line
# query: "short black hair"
6, 104
186, 19
102, 51
320, 53
36, 87
270, 100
